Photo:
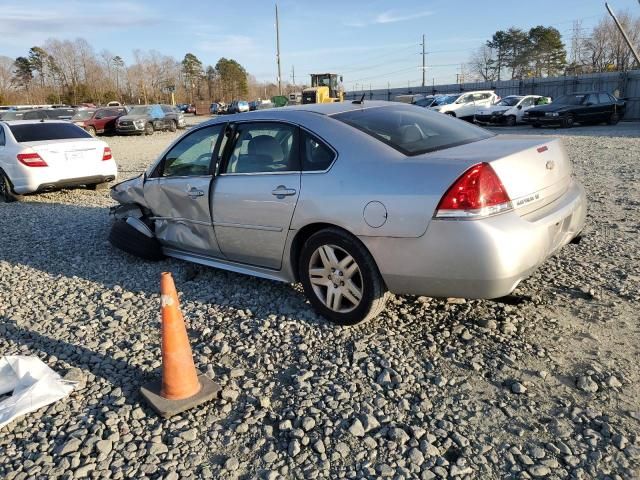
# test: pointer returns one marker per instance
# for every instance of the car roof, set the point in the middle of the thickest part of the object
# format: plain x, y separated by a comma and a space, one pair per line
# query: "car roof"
27, 122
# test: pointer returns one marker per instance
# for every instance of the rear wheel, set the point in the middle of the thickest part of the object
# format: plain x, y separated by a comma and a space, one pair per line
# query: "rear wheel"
340, 278
511, 121
613, 118
148, 129
134, 242
6, 189
567, 121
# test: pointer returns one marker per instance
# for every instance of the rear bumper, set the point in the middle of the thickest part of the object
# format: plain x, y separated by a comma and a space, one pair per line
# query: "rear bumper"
478, 258
35, 180
74, 182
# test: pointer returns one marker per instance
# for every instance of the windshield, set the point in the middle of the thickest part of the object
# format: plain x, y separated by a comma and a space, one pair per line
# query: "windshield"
83, 115
35, 132
446, 100
11, 115
139, 111
509, 102
570, 99
411, 130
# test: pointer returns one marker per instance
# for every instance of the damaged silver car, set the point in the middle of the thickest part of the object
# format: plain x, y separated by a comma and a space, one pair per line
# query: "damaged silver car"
354, 200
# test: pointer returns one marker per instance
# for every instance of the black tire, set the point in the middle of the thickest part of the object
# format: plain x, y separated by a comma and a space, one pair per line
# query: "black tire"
536, 125
567, 121
369, 281
148, 129
511, 121
130, 240
173, 126
92, 131
613, 119
451, 114
6, 190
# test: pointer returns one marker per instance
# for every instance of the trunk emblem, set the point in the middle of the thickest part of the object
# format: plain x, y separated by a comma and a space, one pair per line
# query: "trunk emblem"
550, 165
544, 148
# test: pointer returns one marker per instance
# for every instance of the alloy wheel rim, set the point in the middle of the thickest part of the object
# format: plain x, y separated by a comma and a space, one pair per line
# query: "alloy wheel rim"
336, 278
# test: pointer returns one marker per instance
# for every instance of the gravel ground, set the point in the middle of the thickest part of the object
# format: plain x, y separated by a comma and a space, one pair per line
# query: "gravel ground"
544, 384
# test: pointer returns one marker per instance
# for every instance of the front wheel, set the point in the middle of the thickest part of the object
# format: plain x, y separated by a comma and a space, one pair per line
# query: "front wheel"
340, 278
173, 126
511, 121
567, 121
148, 129
613, 118
92, 131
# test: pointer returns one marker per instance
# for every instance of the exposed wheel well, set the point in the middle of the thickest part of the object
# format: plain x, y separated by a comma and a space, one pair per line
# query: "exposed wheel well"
303, 234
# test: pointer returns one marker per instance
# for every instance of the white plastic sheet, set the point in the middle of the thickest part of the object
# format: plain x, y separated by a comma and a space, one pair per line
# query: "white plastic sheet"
33, 384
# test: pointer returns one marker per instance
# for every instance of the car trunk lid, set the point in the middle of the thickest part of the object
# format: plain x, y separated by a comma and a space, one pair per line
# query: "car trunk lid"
77, 157
534, 170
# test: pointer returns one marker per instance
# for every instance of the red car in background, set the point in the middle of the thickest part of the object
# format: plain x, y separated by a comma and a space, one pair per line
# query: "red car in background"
99, 121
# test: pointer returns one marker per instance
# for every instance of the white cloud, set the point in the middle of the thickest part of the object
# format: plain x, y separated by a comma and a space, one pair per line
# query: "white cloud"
389, 16
71, 16
392, 17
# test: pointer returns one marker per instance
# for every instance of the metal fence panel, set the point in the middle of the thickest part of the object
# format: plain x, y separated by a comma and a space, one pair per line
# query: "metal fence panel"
622, 84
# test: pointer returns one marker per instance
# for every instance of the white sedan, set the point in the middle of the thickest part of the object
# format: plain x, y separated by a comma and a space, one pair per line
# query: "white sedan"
510, 110
39, 156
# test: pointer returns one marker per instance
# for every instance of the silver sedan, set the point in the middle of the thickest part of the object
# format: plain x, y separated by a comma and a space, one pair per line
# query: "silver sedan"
354, 200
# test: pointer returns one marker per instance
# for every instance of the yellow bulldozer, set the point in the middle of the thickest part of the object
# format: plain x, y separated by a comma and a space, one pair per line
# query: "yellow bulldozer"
325, 88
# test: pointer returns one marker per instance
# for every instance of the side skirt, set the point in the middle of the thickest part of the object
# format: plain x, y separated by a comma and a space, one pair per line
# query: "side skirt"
228, 265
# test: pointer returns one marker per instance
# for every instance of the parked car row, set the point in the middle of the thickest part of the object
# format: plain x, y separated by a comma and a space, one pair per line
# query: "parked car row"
486, 108
121, 120
239, 106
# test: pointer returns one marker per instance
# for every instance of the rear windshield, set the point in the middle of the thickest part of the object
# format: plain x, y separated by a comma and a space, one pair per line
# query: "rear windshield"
413, 130
35, 132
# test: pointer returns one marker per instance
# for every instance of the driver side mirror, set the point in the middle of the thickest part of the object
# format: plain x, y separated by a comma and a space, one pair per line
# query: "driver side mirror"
519, 107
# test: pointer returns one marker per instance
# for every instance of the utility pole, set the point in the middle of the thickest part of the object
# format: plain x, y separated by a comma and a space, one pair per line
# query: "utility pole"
293, 76
623, 33
278, 51
424, 64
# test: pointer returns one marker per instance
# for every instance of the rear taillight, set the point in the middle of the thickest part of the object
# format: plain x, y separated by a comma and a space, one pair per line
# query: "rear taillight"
31, 159
478, 192
107, 154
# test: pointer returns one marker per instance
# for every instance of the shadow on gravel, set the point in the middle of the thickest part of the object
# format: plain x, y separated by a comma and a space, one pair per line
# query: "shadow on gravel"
117, 372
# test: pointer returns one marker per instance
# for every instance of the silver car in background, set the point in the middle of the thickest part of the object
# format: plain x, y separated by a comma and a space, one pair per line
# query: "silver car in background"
354, 200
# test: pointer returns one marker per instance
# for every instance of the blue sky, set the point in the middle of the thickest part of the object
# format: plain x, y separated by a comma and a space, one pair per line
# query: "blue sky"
368, 42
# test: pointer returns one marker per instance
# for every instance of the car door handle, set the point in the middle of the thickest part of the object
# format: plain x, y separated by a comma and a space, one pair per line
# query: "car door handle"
195, 193
281, 191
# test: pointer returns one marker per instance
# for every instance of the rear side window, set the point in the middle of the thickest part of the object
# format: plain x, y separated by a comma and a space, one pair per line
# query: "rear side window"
316, 156
35, 132
604, 98
1, 135
411, 130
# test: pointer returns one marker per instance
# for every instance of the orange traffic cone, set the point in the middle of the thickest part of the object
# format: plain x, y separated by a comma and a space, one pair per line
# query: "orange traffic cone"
181, 387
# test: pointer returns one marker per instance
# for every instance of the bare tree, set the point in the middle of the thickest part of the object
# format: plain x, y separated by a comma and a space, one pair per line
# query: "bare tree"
482, 64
